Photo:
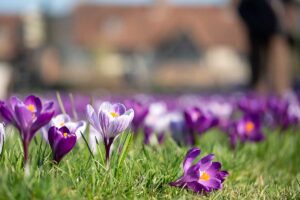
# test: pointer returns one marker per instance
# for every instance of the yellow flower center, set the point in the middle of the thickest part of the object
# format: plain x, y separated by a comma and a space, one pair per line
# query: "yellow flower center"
31, 108
114, 114
249, 127
65, 135
62, 124
204, 176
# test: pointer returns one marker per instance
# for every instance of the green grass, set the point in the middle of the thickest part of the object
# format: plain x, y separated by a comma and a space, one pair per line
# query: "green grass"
268, 170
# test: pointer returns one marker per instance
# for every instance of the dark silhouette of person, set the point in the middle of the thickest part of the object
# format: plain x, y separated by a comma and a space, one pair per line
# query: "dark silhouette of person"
268, 43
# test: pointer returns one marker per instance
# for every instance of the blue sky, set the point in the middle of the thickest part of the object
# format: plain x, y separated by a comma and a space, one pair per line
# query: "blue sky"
64, 6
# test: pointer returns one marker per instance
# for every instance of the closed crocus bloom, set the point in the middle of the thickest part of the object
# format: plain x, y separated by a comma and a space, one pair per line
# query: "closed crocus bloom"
28, 117
156, 123
2, 136
140, 112
110, 121
62, 141
252, 105
64, 120
198, 122
204, 176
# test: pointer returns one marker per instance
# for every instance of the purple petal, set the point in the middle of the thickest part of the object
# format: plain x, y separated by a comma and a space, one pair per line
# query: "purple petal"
24, 118
178, 183
64, 146
15, 101
6, 113
48, 105
35, 101
195, 186
205, 162
42, 120
105, 120
222, 175
64, 130
190, 157
213, 183
53, 137
214, 168
119, 108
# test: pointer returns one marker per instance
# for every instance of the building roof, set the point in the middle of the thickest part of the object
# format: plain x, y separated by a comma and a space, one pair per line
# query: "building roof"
144, 27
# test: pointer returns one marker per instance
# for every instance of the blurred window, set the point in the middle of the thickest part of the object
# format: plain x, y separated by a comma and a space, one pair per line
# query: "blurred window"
112, 25
180, 47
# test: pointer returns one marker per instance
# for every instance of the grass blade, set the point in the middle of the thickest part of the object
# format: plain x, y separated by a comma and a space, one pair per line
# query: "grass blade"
125, 149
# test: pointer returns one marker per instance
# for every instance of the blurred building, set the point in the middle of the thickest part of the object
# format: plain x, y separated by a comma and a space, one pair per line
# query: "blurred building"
9, 46
10, 26
158, 44
169, 41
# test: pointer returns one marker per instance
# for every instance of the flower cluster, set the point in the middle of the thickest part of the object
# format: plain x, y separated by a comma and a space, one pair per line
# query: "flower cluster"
60, 131
242, 117
27, 116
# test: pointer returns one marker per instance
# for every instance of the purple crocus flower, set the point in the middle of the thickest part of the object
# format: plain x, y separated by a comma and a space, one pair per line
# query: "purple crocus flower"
28, 117
248, 128
253, 105
140, 112
156, 123
198, 121
62, 141
64, 120
282, 113
204, 176
110, 121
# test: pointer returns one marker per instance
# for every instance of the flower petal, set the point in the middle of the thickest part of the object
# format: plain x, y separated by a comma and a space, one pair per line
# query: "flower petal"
64, 145
119, 108
35, 101
60, 120
93, 118
119, 125
106, 106
6, 113
15, 101
213, 183
76, 127
205, 162
48, 105
42, 120
190, 157
195, 186
105, 120
24, 118
53, 137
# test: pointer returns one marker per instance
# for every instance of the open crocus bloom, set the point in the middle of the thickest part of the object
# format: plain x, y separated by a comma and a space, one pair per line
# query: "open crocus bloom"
156, 123
249, 128
64, 120
110, 121
28, 117
2, 136
204, 176
62, 141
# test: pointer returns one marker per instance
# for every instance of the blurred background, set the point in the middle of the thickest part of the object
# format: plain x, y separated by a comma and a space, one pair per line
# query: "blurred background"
130, 45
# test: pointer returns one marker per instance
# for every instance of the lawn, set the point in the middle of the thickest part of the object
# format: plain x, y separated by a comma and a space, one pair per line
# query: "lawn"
266, 170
